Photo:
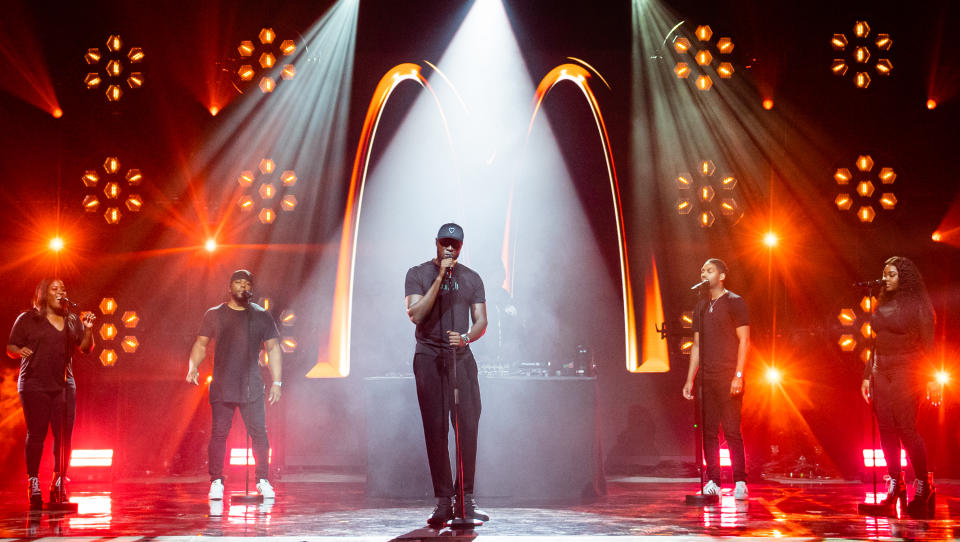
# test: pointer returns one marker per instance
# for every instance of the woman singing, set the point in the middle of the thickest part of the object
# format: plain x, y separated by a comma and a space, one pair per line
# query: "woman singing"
44, 338
903, 324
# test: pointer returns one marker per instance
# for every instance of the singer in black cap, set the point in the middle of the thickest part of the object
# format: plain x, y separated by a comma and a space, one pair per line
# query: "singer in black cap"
442, 297
239, 328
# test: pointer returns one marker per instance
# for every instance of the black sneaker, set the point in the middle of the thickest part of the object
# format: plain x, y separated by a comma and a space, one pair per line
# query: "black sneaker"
58, 489
470, 509
442, 513
34, 492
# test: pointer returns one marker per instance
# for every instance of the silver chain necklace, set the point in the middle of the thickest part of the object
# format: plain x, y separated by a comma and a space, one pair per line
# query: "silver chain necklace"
714, 302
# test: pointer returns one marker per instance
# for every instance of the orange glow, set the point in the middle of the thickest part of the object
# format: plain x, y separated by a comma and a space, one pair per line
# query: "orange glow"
130, 319
114, 93
114, 43
90, 203
288, 72
888, 201
862, 80
884, 66
209, 379
728, 182
267, 60
92, 56
336, 363
867, 331
246, 178
289, 202
111, 165
267, 191
773, 375
865, 188
214, 110
267, 84
108, 358
135, 54
113, 215
707, 167
839, 41
114, 68
843, 176
92, 80
108, 331
843, 202
108, 306
867, 303
267, 35
864, 162
267, 166
245, 203
246, 48
861, 29
245, 72
728, 206
57, 113
130, 344
838, 67
684, 181
866, 213
931, 103
135, 80
210, 245
707, 193
704, 58
943, 377
684, 206
861, 54
580, 77
771, 239
725, 70
655, 357
847, 342
134, 177
289, 178
704, 82
768, 104
266, 216
682, 70
936, 236
111, 190
287, 47
288, 318
288, 344
847, 317
681, 45
244, 456
725, 46
706, 219
134, 203
704, 32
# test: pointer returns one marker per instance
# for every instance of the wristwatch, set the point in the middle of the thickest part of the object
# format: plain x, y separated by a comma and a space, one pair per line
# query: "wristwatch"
465, 338
278, 383
739, 374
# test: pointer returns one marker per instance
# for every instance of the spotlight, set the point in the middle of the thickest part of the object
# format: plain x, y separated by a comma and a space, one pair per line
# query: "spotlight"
773, 375
936, 236
771, 239
847, 317
931, 104
943, 377
113, 67
210, 245
847, 342
108, 357
56, 244
214, 110
108, 305
768, 104
57, 113
209, 379
860, 53
130, 319
130, 344
263, 54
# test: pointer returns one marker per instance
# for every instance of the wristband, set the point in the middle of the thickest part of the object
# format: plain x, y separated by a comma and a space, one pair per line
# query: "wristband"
277, 383
739, 374
465, 338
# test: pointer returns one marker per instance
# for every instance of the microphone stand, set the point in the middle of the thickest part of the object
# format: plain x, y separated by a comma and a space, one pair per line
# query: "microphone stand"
246, 498
460, 520
59, 504
699, 499
874, 508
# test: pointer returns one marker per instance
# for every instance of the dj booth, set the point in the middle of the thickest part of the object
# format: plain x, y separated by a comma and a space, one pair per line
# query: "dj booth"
538, 439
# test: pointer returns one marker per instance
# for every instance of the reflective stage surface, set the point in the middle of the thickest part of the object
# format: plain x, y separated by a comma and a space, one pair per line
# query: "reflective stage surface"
340, 509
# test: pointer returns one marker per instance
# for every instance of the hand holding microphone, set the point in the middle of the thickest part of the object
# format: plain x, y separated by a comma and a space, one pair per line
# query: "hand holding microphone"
699, 285
447, 264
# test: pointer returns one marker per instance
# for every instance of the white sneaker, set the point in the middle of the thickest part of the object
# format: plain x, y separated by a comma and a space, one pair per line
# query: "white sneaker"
216, 490
711, 488
265, 489
740, 493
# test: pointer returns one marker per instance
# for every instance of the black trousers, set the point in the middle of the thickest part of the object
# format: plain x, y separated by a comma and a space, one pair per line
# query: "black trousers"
42, 410
254, 420
720, 409
896, 396
434, 377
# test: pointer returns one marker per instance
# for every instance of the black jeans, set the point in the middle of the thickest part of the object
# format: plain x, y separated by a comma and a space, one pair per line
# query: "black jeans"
896, 396
254, 419
433, 374
43, 409
722, 409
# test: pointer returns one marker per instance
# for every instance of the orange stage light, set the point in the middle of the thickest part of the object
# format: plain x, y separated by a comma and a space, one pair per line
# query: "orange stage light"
704, 82
847, 342
887, 175
773, 375
56, 244
134, 203
684, 206
288, 344
843, 202
838, 67
267, 84
267, 191
246, 178
210, 245
108, 331
130, 319
865, 189
209, 379
289, 202
287, 47
266, 216
866, 213
135, 54
114, 43
862, 80
113, 215
768, 104
134, 177
704, 58
771, 239
864, 162
843, 176
267, 35
267, 166
704, 32
57, 113
246, 48
289, 178
288, 72
90, 203
936, 236
288, 318
681, 45
839, 42
214, 110
725, 70
861, 29
861, 54
111, 190
847, 317
108, 305
681, 69
888, 201
943, 377
931, 103
725, 46
267, 60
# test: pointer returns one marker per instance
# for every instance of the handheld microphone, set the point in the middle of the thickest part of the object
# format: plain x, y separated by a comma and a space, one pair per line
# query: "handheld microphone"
699, 285
63, 299
868, 283
246, 295
449, 269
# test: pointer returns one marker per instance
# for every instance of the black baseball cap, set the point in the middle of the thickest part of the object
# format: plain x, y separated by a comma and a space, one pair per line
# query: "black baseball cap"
450, 231
241, 274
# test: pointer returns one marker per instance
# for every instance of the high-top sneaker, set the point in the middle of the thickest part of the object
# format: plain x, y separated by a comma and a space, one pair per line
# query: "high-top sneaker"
34, 492
442, 513
58, 488
924, 500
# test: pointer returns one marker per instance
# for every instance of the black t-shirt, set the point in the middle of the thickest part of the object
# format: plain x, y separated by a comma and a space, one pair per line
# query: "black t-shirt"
455, 301
717, 322
238, 335
50, 367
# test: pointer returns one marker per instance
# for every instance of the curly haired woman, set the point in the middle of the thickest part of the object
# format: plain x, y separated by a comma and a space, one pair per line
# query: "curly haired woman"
903, 324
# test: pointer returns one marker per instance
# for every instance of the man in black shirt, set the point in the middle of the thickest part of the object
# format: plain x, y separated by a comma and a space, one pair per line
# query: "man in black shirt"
721, 339
239, 327
441, 298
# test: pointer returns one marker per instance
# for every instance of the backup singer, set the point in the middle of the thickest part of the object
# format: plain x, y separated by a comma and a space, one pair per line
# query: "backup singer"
239, 328
721, 339
893, 383
44, 338
441, 298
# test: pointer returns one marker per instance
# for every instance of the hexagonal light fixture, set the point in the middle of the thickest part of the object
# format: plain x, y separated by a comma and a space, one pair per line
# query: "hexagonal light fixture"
108, 305
847, 342
866, 213
847, 317
704, 82
706, 219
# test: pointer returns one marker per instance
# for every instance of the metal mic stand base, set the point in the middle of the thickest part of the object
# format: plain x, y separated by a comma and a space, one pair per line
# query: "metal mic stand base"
246, 499
458, 524
879, 510
699, 499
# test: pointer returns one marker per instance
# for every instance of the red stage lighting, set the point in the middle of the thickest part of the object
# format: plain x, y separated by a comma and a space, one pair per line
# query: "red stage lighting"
210, 245
771, 239
244, 456
56, 244
773, 375
943, 377
57, 113
936, 236
91, 458
869, 455
214, 110
931, 104
768, 104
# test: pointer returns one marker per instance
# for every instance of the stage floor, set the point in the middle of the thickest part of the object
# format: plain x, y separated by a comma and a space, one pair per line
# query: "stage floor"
317, 511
